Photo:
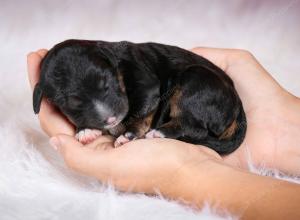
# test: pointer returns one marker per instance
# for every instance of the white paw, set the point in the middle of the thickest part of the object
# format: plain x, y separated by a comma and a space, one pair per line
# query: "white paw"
121, 140
154, 134
130, 136
88, 135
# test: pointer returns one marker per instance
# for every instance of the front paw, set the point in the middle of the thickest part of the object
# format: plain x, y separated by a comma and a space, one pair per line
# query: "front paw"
87, 136
120, 141
130, 135
123, 139
154, 134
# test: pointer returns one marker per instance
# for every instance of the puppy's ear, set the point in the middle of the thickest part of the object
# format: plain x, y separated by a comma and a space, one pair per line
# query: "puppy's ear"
37, 98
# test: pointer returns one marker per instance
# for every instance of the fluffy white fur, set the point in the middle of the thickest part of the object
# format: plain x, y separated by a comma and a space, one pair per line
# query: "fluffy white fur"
34, 183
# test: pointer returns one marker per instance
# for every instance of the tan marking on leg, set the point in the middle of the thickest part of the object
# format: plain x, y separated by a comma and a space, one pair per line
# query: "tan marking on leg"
173, 123
229, 132
142, 125
175, 111
121, 81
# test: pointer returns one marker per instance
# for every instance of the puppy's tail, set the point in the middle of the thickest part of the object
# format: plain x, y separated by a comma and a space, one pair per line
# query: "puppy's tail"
231, 139
37, 98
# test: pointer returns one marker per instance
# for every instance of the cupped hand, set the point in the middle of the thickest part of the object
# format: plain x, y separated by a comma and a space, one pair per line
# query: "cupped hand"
139, 166
52, 121
273, 118
270, 111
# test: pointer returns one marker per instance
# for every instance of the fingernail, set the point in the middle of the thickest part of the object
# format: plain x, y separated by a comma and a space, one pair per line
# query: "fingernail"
54, 142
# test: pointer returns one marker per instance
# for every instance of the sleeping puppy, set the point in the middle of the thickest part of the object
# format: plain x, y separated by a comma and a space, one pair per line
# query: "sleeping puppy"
141, 90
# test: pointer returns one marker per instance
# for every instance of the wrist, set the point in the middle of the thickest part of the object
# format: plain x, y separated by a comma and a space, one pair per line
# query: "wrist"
196, 181
209, 181
233, 190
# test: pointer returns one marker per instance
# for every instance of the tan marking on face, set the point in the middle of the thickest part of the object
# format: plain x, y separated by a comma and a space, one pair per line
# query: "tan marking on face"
121, 81
229, 132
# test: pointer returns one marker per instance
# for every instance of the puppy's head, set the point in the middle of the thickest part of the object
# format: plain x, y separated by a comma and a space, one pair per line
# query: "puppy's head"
84, 84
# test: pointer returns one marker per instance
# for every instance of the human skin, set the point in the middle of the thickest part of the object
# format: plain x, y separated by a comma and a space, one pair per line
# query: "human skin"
273, 114
192, 173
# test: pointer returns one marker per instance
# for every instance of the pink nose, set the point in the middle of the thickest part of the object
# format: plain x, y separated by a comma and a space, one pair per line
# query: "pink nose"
111, 120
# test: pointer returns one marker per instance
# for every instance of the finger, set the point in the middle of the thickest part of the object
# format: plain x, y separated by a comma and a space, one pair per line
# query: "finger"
216, 55
97, 162
33, 68
53, 122
104, 142
227, 59
42, 52
33, 64
75, 155
104, 146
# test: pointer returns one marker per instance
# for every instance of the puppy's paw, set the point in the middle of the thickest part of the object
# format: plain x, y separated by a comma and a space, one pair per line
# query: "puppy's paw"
154, 134
130, 136
121, 140
87, 136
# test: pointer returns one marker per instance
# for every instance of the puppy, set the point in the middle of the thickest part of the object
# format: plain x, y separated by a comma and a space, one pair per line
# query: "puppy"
141, 90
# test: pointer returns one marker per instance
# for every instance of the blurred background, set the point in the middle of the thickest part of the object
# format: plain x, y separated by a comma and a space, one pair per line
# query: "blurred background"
270, 29
34, 184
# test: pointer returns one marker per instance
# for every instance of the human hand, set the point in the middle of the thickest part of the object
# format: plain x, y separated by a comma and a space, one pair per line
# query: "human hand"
265, 103
52, 121
273, 118
181, 170
140, 166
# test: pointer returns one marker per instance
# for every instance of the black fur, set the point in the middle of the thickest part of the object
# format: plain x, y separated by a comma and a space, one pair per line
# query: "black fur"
182, 95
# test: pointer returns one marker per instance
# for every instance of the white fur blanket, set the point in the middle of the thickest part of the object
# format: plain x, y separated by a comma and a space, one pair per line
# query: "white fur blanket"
34, 183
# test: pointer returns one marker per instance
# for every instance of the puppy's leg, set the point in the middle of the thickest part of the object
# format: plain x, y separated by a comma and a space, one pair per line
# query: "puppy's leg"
135, 128
170, 130
139, 127
143, 100
206, 108
179, 127
86, 136
174, 130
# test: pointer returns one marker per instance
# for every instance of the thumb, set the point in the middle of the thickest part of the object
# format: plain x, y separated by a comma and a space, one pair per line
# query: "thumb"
75, 155
217, 56
62, 141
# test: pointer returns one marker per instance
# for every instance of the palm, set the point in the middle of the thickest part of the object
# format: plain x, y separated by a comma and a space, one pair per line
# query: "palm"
271, 135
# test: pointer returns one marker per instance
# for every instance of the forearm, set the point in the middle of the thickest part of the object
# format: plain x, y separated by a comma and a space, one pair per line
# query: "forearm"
246, 195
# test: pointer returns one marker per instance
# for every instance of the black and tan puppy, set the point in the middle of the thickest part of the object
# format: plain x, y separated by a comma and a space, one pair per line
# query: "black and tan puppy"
142, 90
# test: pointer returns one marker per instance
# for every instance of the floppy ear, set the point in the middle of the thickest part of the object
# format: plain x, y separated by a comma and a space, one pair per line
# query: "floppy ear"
37, 98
